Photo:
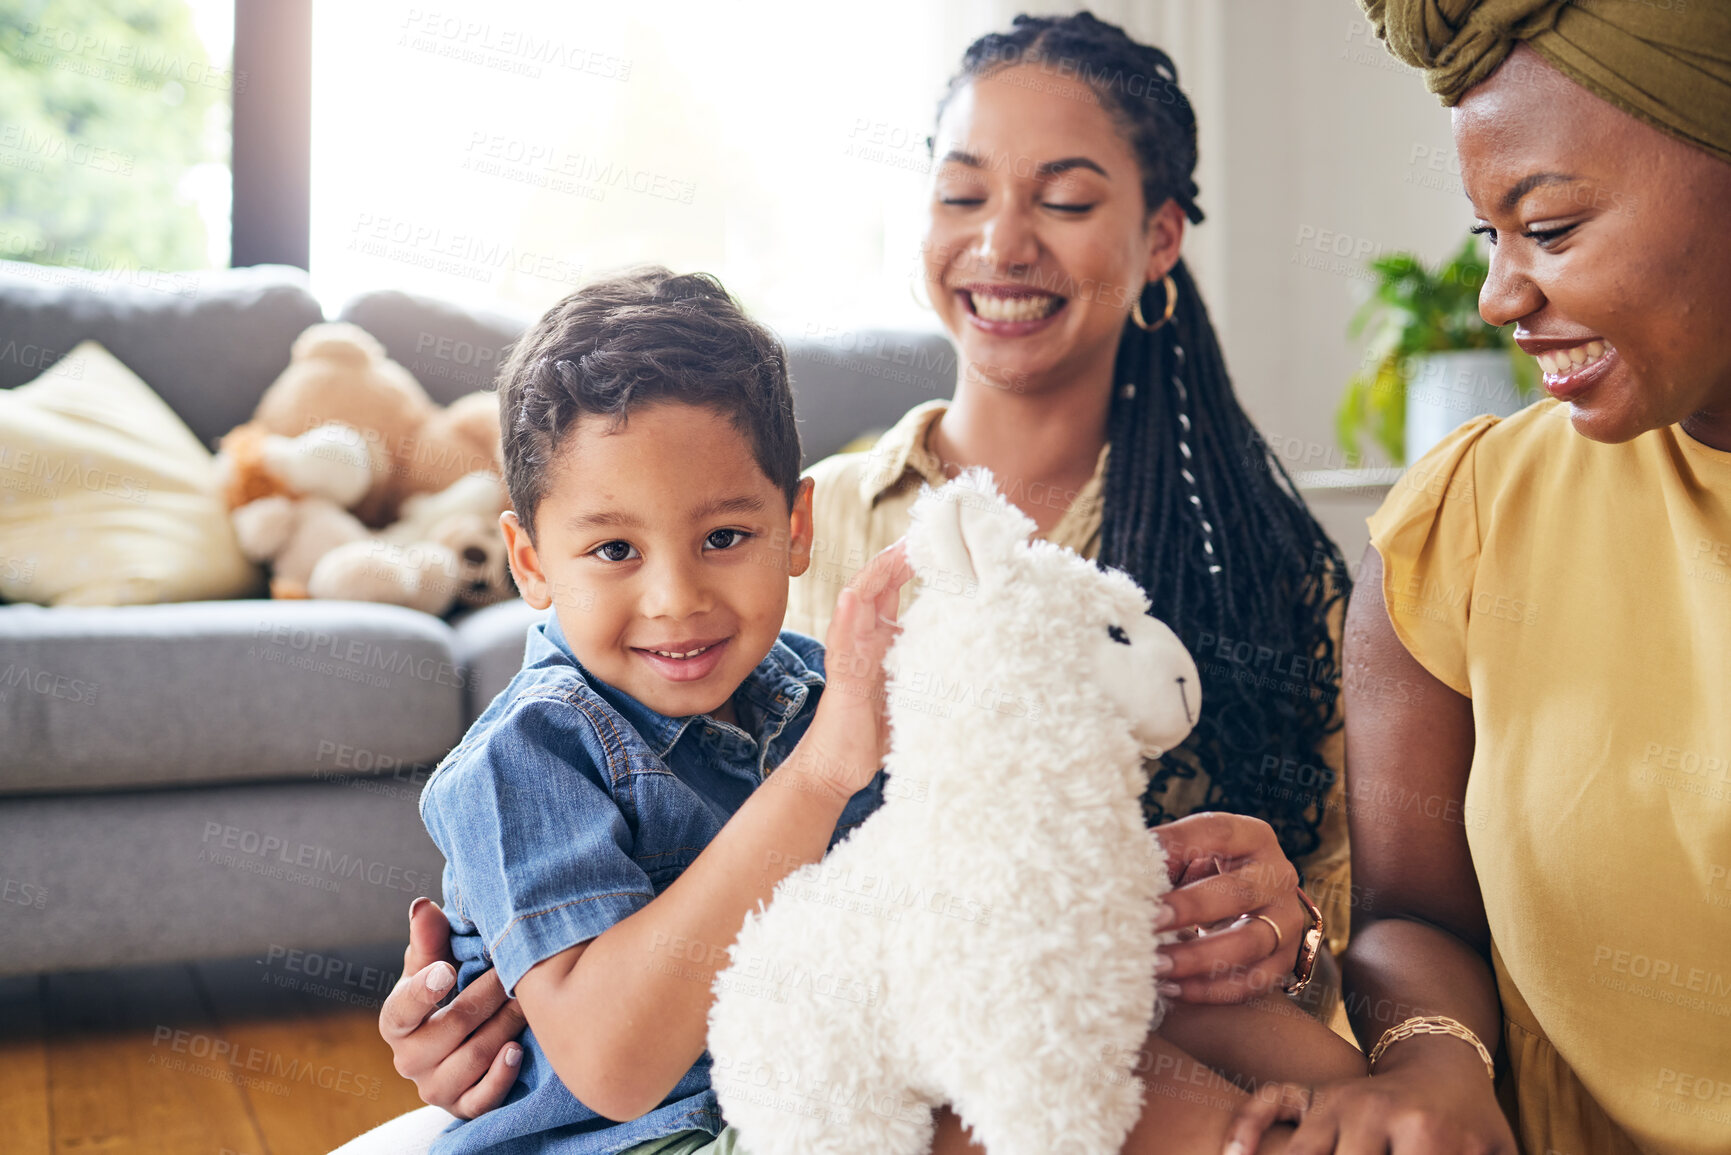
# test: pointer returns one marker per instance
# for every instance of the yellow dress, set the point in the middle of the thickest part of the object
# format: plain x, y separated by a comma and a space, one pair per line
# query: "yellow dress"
1580, 595
860, 506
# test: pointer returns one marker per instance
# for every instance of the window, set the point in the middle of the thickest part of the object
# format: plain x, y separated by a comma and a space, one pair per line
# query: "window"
114, 132
508, 153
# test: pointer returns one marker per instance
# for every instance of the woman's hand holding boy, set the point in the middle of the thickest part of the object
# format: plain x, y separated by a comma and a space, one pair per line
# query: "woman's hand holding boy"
461, 1056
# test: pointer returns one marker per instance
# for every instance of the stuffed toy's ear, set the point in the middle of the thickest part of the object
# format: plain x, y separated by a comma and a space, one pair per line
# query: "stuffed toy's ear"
964, 534
936, 547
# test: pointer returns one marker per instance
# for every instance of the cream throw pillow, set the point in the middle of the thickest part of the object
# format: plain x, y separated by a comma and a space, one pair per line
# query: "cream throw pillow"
106, 497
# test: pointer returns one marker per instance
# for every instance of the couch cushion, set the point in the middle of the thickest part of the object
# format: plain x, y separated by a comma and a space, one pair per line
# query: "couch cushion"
221, 691
854, 381
490, 648
208, 343
131, 877
106, 498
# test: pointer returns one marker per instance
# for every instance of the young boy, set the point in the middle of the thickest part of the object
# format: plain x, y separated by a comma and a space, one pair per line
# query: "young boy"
666, 754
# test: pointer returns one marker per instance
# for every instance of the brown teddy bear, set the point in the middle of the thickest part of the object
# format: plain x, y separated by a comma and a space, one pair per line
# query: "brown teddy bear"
339, 373
344, 442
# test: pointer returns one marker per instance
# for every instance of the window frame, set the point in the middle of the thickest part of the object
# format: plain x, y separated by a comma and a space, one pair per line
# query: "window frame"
271, 151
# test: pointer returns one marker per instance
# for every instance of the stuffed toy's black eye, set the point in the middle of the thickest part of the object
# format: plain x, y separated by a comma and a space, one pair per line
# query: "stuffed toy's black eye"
1117, 634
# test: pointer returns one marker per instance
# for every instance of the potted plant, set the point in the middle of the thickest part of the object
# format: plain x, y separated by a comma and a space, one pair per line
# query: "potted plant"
1432, 362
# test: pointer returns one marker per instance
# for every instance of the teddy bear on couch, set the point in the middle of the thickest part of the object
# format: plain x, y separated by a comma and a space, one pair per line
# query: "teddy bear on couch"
351, 482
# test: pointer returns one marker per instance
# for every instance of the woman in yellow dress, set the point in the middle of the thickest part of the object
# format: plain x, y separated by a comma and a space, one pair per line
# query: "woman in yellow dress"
1538, 650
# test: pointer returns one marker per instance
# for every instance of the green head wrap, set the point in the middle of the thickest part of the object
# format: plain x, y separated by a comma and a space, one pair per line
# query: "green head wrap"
1667, 62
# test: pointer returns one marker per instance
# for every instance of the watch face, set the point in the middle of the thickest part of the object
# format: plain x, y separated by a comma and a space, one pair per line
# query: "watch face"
1308, 946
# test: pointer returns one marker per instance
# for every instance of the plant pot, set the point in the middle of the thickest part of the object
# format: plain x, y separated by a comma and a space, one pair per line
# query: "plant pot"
1445, 389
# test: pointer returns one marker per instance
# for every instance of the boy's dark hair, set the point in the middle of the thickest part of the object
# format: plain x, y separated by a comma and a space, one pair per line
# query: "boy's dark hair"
631, 339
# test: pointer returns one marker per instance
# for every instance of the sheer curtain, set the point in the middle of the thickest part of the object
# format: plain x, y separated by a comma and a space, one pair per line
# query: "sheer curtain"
501, 159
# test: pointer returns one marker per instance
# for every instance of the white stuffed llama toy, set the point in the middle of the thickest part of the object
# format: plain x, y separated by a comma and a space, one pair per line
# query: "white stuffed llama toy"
986, 938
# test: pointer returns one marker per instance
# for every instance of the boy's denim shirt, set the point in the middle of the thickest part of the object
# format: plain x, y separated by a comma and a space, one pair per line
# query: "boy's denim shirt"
568, 806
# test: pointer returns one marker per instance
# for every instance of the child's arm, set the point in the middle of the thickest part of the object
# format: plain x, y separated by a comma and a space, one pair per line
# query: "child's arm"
1268, 1039
623, 1016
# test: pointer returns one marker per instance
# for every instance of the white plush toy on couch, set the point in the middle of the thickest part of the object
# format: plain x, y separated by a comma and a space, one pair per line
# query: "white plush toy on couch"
986, 938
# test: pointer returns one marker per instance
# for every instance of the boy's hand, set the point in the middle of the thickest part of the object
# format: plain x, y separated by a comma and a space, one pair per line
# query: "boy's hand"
850, 734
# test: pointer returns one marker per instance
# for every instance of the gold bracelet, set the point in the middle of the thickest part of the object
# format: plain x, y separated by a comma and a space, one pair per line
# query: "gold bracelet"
1430, 1025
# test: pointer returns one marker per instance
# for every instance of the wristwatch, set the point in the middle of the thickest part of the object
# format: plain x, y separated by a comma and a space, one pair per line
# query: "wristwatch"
1308, 945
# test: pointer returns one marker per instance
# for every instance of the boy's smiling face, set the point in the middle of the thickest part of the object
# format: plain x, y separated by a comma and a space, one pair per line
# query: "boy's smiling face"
665, 551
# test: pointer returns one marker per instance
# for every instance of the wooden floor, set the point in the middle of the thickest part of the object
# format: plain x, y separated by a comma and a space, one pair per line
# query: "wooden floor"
266, 1056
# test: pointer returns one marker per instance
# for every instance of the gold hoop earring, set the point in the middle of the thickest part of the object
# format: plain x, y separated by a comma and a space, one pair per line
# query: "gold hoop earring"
927, 305
1141, 322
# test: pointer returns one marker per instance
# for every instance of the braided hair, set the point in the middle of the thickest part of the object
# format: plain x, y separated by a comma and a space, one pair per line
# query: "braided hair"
1197, 509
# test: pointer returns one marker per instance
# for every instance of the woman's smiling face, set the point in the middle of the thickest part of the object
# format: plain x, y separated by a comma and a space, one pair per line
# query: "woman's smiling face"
1611, 253
1039, 240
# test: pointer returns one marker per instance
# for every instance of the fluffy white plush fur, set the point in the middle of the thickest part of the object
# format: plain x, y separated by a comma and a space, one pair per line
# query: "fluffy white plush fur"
986, 938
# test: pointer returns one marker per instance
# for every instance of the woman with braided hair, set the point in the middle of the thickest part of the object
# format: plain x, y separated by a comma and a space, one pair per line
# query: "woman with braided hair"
1090, 381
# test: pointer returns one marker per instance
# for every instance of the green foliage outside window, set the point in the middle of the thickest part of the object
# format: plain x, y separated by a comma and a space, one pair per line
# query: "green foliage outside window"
104, 107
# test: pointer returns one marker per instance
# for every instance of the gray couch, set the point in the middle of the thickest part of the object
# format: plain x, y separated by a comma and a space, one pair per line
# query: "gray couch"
240, 778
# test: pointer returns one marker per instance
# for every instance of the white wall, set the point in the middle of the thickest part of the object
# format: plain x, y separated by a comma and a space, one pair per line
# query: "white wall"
1327, 143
